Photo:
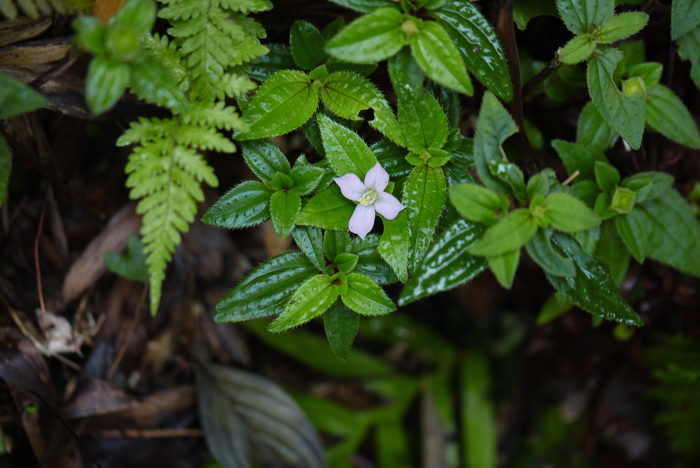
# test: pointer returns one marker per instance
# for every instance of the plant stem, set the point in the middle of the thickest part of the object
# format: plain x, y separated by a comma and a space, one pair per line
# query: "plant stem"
545, 73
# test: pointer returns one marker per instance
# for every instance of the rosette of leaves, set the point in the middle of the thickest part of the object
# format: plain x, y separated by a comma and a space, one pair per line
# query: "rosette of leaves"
456, 37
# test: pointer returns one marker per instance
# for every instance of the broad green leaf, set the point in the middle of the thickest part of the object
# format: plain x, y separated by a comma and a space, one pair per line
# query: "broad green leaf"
541, 183
612, 251
620, 27
392, 158
510, 233
648, 185
685, 15
634, 232
568, 213
284, 206
512, 175
345, 150
17, 98
688, 45
674, 237
139, 15
284, 102
328, 209
307, 45
366, 297
335, 243
592, 131
394, 245
365, 6
105, 83
246, 204
525, 10
370, 38
495, 125
266, 290
476, 203
504, 267
439, 57
265, 159
277, 59
306, 178
370, 262
131, 264
650, 72
667, 114
479, 428
346, 94
90, 34
541, 251
406, 76
477, 41
578, 49
581, 16
591, 288
310, 241
424, 197
341, 326
5, 169
579, 157
606, 176
447, 264
346, 262
625, 114
312, 299
423, 121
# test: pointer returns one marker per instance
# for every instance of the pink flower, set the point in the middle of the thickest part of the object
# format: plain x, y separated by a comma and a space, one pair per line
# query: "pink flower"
371, 198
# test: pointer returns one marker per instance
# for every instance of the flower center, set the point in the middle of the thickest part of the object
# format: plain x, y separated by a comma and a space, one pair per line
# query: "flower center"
369, 197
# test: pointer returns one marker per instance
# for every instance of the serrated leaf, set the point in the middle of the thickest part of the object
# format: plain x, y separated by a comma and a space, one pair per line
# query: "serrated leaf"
131, 264
476, 203
266, 290
592, 131
105, 83
341, 325
277, 59
307, 45
312, 298
606, 176
477, 41
612, 251
424, 197
366, 297
306, 178
620, 27
394, 245
447, 264
582, 16
346, 152
392, 158
504, 267
328, 209
154, 82
310, 241
370, 38
634, 232
510, 233
438, 56
667, 114
365, 6
370, 262
568, 213
265, 159
246, 204
346, 94
591, 288
423, 122
284, 102
541, 251
625, 114
688, 45
685, 15
17, 98
284, 206
406, 76
577, 49
335, 243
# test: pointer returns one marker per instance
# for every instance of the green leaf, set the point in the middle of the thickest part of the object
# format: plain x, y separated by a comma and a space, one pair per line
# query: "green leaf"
685, 16
406, 76
265, 159
579, 157
423, 122
370, 38
439, 57
620, 27
479, 427
592, 131
477, 41
667, 114
341, 326
284, 102
392, 158
346, 262
674, 237
284, 206
131, 264
335, 243
447, 264
365, 6
476, 203
581, 16
495, 125
504, 267
568, 213
139, 15
578, 49
345, 150
394, 245
346, 94
370, 262
312, 299
5, 169
266, 290
281, 182
591, 288
649, 72
525, 10
307, 45
17, 98
688, 45
154, 82
625, 114
90, 34
306, 178
541, 183
634, 232
105, 83
511, 175
612, 251
510, 233
328, 209
310, 241
541, 251
245, 205
277, 59
606, 176
424, 198
648, 185
366, 297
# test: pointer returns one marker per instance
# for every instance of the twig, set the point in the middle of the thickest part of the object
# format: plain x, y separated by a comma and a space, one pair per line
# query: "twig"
543, 74
571, 178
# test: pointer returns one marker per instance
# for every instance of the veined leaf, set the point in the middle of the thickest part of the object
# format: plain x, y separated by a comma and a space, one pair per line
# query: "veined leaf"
307, 45
406, 76
266, 290
423, 121
312, 298
510, 233
247, 204
577, 49
341, 325
306, 178
328, 209
365, 6
394, 245
105, 83
541, 251
265, 159
424, 197
370, 262
310, 241
685, 15
476, 203
284, 206
620, 27
667, 114
345, 149
366, 297
568, 213
447, 264
581, 16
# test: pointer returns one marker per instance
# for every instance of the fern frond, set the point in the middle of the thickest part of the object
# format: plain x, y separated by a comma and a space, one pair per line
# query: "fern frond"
168, 53
245, 6
147, 130
218, 115
38, 8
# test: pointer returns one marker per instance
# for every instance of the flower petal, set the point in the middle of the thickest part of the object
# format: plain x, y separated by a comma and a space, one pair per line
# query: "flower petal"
362, 220
377, 178
351, 186
388, 206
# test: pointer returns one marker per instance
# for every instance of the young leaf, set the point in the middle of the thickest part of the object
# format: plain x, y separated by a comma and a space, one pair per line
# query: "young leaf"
131, 264
606, 176
592, 131
312, 299
105, 83
581, 16
439, 58
510, 233
244, 205
328, 209
625, 114
504, 267
346, 262
366, 297
541, 251
685, 15
335, 243
266, 289
579, 157
568, 213
284, 207
17, 98
634, 232
265, 159
394, 245
310, 241
423, 121
307, 45
424, 198
306, 178
476, 203
620, 27
591, 288
667, 114
341, 326
284, 102
370, 38
447, 264
577, 49
649, 72
345, 150
477, 41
